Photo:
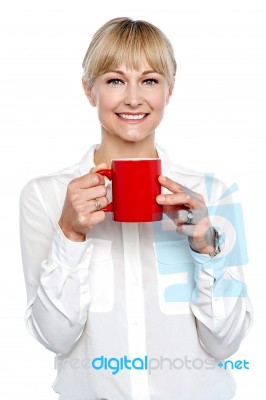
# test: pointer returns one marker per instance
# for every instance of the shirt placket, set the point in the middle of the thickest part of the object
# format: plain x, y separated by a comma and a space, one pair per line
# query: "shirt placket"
135, 308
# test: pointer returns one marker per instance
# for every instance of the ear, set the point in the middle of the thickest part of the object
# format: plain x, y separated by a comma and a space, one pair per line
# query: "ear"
169, 94
88, 92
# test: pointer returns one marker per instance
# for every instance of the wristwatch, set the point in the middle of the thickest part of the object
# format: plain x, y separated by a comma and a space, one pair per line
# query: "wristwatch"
218, 243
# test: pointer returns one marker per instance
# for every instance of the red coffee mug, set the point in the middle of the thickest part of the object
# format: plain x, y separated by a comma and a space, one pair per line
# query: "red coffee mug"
134, 189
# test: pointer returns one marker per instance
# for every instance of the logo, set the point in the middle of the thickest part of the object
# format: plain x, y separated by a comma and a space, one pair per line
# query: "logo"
117, 365
238, 364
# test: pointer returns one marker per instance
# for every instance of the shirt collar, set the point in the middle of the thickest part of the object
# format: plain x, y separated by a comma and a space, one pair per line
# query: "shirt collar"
87, 161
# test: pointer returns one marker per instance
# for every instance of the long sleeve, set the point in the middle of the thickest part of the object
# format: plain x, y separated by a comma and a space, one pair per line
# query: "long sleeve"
223, 318
220, 303
56, 275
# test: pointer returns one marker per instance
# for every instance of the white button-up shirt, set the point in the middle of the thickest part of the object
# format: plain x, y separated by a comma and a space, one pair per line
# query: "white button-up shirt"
133, 313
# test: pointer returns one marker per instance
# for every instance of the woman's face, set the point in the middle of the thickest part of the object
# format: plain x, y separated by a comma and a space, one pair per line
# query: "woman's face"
130, 103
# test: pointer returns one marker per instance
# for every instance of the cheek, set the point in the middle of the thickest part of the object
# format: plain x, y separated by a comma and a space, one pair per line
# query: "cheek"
106, 107
159, 104
159, 100
108, 101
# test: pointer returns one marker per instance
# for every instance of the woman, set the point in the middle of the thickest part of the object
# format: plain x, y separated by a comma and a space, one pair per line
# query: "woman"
133, 310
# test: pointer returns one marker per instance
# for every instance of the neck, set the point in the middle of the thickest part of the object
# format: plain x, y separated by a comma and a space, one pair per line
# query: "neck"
114, 147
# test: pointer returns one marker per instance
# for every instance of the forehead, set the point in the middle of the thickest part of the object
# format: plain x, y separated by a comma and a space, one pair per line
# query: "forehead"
143, 68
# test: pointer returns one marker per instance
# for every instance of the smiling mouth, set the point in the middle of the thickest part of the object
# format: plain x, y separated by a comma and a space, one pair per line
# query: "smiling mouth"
132, 117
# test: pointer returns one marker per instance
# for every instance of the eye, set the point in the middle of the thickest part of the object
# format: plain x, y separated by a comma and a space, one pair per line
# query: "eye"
150, 82
115, 82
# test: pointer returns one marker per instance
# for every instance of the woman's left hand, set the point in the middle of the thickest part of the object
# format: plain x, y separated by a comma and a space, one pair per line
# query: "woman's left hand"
188, 211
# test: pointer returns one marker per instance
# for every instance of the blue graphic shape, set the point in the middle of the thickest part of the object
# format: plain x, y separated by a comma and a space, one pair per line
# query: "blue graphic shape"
233, 214
174, 257
209, 182
232, 189
179, 292
228, 287
220, 364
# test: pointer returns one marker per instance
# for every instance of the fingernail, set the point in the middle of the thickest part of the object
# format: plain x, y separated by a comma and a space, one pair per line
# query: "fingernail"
160, 198
180, 228
162, 178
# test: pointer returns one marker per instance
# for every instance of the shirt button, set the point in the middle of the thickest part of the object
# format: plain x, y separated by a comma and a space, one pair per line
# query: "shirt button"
216, 298
135, 322
134, 283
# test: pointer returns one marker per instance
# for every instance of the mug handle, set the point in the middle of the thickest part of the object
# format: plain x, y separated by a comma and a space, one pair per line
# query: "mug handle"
108, 174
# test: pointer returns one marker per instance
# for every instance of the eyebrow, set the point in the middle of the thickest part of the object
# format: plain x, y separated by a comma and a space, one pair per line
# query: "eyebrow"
122, 73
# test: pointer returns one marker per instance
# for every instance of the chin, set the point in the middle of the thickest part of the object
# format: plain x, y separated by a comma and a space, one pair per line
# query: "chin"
135, 137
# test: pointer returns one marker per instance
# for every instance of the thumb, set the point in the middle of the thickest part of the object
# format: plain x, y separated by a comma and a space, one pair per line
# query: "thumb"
98, 167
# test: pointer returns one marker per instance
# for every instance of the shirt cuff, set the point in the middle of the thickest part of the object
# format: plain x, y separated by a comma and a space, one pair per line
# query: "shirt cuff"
67, 253
205, 265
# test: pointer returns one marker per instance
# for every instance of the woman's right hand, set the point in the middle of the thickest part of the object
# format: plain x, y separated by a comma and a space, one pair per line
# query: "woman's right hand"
79, 213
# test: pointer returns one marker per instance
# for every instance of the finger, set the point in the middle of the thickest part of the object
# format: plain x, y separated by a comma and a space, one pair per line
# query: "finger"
100, 202
92, 193
84, 209
186, 230
182, 217
170, 184
98, 167
198, 215
189, 200
195, 199
202, 234
174, 199
87, 181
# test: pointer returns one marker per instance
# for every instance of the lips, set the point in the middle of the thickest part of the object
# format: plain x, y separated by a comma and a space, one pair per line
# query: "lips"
132, 117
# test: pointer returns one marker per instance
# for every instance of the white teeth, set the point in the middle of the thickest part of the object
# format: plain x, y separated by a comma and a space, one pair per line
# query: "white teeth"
128, 116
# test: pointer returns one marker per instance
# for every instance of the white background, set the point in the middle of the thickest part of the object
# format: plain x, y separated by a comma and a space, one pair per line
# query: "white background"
215, 123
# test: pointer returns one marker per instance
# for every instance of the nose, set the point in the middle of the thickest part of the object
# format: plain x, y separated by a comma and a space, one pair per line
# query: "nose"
133, 96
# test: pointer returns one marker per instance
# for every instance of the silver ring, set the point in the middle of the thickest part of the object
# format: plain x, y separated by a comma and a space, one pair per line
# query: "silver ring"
189, 217
97, 204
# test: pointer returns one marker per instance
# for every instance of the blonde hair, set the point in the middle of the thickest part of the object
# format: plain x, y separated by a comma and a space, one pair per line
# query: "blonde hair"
123, 40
